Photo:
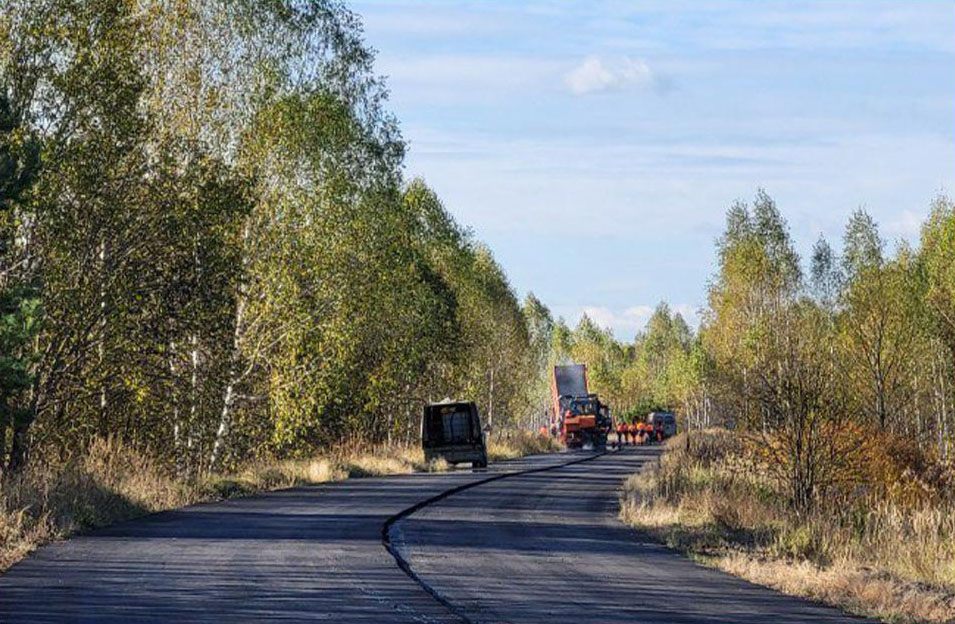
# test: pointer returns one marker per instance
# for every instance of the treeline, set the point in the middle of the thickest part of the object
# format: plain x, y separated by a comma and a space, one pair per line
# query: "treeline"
851, 360
816, 363
662, 368
207, 248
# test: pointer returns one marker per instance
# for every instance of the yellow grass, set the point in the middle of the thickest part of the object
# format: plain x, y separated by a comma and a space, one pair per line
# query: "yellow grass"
113, 482
107, 485
854, 587
520, 444
878, 558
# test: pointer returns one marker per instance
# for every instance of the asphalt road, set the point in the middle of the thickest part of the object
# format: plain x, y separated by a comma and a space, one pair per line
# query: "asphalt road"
548, 547
537, 547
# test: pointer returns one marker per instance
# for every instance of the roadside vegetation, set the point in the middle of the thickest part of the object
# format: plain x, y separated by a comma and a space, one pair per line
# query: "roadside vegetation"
834, 474
214, 278
112, 482
882, 545
520, 444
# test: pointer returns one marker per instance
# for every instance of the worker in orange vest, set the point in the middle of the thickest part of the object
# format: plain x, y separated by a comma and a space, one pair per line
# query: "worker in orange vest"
634, 431
621, 434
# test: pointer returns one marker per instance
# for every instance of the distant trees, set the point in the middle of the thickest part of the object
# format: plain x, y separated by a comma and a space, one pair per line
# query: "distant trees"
661, 369
207, 247
812, 368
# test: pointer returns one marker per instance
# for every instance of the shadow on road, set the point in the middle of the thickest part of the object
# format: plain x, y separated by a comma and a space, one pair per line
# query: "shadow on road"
548, 547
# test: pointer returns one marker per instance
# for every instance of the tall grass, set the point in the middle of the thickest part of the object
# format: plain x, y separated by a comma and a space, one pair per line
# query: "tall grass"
870, 553
108, 484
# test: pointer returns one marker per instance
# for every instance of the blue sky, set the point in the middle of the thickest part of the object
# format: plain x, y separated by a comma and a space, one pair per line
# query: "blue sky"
595, 146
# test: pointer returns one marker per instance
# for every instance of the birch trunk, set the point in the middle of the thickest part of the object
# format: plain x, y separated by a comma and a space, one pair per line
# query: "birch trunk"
228, 397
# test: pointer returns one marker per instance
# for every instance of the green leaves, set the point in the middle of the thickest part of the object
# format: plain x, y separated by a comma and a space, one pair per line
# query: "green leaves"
227, 259
21, 316
867, 344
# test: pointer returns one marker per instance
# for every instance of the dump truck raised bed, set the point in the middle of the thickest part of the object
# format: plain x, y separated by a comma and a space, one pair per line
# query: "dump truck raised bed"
580, 418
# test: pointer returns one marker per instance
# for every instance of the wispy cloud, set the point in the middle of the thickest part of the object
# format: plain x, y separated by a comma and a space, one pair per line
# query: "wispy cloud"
906, 225
596, 74
627, 322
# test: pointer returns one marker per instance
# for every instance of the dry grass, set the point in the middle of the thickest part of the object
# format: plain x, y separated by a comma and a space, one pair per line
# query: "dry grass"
113, 482
107, 485
520, 444
872, 556
336, 466
856, 588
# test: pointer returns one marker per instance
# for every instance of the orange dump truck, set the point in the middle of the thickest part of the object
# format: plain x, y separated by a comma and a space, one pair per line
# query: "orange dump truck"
581, 419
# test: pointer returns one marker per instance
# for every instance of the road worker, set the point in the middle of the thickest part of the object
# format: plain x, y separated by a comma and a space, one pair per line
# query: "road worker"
621, 434
634, 431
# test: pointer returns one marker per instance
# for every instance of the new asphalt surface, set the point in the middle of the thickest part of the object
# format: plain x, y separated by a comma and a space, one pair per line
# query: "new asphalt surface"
538, 546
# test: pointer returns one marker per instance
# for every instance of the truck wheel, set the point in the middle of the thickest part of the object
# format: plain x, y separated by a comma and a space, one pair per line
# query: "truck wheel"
481, 463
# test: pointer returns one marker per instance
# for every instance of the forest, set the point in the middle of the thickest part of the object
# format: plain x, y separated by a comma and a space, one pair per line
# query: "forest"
208, 249
862, 337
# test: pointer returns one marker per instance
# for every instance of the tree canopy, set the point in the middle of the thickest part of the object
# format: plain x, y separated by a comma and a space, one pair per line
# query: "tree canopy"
207, 246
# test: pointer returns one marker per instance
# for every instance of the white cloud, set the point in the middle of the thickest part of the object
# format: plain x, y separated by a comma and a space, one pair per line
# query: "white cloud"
626, 321
906, 225
629, 321
595, 74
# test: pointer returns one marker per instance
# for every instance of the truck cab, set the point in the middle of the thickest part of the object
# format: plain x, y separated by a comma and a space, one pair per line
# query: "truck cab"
452, 431
585, 421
